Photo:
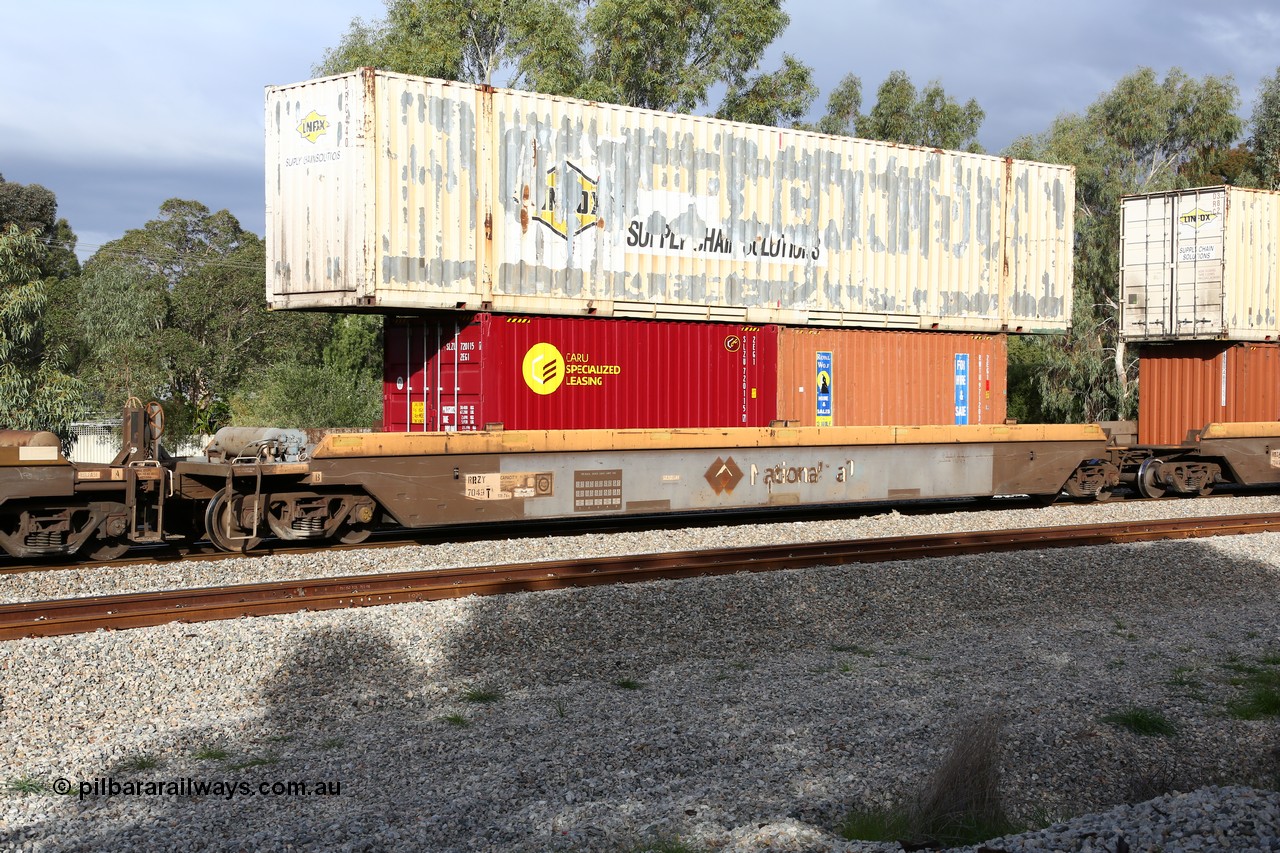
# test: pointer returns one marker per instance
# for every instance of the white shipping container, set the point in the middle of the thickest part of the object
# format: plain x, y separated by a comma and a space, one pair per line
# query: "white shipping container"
389, 192
1200, 264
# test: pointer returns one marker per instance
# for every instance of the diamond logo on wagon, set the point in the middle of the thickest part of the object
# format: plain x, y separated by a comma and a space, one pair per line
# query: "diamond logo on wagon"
723, 475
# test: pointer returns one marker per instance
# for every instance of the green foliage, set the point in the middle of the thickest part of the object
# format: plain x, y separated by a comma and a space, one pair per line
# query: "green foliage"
776, 99
1142, 721
34, 391
177, 312
210, 753
667, 56
136, 762
481, 695
124, 312
645, 53
470, 41
355, 345
892, 117
1264, 144
864, 824
34, 208
900, 114
26, 785
929, 118
1072, 378
297, 395
844, 105
1262, 695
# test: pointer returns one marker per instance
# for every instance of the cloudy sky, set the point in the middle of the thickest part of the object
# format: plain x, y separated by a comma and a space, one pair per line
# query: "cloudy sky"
117, 106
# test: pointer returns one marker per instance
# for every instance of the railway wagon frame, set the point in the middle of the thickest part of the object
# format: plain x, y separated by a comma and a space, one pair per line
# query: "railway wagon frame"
353, 482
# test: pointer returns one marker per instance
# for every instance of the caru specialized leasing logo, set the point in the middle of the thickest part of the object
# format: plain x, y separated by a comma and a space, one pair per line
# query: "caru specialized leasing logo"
313, 126
543, 368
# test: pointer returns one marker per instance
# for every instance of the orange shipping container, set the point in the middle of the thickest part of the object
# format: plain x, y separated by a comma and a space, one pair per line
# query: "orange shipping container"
883, 377
1185, 386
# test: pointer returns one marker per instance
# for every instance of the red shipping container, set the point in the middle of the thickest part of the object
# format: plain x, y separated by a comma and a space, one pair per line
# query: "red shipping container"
450, 372
877, 377
1184, 386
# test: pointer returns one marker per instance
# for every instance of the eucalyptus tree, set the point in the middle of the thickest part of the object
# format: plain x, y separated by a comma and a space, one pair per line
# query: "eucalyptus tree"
35, 393
179, 312
1264, 143
645, 53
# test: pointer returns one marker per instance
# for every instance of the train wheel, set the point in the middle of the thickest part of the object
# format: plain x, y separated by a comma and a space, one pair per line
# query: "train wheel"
1073, 488
278, 523
1148, 479
106, 547
352, 534
223, 528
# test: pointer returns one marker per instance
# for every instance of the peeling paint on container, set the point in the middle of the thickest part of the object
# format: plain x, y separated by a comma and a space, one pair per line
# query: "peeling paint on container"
1184, 386
470, 198
1200, 264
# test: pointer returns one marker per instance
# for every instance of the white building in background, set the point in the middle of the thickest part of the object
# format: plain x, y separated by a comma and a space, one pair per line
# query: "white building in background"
99, 441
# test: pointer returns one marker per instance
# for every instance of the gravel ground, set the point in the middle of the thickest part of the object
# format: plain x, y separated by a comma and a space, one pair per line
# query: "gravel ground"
748, 713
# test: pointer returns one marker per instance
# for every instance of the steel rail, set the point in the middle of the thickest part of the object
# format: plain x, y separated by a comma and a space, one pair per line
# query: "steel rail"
78, 615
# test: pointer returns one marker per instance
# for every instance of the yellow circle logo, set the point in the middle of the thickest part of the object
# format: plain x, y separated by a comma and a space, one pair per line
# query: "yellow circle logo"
543, 368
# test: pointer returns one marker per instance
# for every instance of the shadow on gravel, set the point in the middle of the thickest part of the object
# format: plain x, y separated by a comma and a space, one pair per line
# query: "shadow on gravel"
677, 709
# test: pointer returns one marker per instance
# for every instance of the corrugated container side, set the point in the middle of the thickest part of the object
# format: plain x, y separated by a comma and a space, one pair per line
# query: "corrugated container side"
459, 372
1039, 218
428, 190
528, 203
878, 378
1251, 249
1200, 264
678, 210
1184, 386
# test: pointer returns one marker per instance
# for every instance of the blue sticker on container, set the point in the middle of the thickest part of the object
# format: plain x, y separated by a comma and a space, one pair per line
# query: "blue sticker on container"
823, 384
962, 389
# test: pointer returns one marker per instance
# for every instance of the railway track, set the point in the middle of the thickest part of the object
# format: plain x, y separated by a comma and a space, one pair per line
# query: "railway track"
395, 538
79, 615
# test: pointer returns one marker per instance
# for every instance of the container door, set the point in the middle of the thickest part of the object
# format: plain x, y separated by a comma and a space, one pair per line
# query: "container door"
432, 376
455, 384
1198, 263
402, 368
1146, 261
316, 176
